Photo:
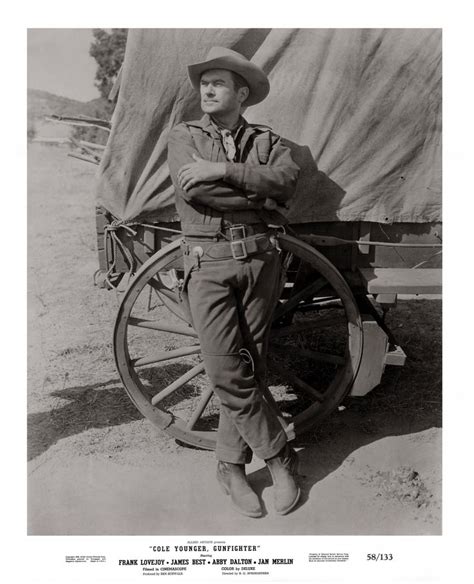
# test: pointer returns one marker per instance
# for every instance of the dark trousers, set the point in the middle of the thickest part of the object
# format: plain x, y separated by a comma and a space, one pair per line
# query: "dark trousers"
231, 303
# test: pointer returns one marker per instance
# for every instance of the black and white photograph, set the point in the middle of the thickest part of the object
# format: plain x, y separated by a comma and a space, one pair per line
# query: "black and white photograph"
234, 290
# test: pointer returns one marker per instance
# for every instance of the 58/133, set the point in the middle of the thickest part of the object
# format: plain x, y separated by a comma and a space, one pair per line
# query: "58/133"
379, 557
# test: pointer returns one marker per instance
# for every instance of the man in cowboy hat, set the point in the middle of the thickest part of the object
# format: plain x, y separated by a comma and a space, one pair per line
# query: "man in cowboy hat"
230, 177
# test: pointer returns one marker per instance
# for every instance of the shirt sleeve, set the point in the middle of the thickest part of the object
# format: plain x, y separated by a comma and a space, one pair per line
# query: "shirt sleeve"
220, 195
275, 179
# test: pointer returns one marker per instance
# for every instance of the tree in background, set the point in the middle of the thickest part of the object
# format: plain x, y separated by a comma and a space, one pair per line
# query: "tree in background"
108, 49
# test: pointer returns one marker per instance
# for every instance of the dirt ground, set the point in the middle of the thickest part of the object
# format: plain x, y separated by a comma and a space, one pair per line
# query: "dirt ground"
96, 466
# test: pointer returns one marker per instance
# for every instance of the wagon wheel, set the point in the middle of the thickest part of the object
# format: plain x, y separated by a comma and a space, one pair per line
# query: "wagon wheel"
315, 345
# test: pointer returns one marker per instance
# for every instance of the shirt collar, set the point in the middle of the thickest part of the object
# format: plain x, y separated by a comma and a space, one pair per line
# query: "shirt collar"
241, 123
209, 126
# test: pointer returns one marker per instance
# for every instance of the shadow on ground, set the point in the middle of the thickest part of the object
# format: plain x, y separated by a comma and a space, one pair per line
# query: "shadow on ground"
99, 405
91, 406
407, 401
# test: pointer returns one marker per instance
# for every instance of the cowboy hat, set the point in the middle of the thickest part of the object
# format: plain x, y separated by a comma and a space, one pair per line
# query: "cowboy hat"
223, 58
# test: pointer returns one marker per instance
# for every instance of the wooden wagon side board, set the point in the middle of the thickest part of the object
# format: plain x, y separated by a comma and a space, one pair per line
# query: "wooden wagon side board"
402, 280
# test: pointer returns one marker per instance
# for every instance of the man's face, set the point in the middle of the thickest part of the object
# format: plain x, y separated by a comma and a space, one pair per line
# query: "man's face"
218, 95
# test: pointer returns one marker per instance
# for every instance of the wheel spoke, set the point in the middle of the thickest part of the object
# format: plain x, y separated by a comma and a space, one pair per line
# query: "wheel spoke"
150, 294
325, 357
321, 305
196, 370
159, 325
206, 396
293, 301
297, 381
161, 289
157, 294
287, 426
315, 355
168, 297
166, 355
306, 326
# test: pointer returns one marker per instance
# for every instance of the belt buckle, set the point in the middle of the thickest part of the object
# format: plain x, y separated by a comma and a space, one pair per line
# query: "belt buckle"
238, 249
237, 232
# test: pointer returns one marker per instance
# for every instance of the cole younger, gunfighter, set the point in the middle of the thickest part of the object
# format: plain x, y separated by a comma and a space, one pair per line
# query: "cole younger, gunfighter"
230, 177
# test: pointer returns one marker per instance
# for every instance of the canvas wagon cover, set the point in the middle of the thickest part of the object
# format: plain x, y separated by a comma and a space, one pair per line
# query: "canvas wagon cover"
361, 107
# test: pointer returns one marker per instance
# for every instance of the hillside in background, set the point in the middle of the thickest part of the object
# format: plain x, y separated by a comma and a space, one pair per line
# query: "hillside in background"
42, 104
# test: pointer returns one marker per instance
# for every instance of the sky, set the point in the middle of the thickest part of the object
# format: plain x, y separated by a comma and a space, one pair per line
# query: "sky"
59, 62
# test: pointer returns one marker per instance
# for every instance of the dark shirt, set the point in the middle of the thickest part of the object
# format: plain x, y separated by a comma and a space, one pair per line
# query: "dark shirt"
264, 168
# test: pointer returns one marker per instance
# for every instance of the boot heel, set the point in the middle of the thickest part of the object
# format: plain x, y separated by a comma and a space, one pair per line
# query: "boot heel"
233, 481
283, 469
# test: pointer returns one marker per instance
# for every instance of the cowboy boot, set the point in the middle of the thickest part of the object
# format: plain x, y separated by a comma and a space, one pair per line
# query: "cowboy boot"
283, 467
233, 482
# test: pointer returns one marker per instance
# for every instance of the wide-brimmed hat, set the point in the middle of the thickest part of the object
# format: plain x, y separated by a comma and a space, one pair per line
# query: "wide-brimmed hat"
222, 58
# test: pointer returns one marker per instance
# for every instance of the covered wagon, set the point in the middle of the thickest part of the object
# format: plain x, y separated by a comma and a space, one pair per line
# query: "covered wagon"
361, 112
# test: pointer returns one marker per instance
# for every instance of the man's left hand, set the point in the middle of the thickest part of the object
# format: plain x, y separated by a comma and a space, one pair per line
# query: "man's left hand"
200, 171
